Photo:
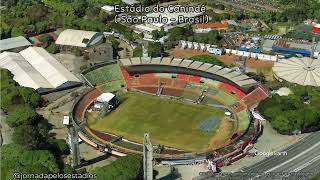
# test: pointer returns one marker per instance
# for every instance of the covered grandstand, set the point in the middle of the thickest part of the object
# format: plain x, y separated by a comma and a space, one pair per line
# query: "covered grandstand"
189, 67
34, 67
303, 71
183, 80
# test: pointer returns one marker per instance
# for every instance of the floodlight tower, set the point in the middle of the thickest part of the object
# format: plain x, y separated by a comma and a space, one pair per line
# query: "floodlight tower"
74, 145
147, 158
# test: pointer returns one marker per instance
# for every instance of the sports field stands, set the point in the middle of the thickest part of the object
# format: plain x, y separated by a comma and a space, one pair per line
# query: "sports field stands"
189, 67
230, 89
255, 97
111, 86
104, 74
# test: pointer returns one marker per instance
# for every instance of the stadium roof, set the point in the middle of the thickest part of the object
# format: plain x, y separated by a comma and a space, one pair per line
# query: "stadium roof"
79, 38
237, 78
24, 73
304, 71
34, 67
48, 66
15, 42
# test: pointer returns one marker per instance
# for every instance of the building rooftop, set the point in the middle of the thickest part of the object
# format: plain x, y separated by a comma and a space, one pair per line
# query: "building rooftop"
34, 67
212, 25
78, 38
15, 42
130, 2
304, 71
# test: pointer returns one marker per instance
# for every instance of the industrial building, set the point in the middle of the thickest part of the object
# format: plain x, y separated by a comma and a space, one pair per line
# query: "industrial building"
14, 44
304, 71
71, 38
34, 67
205, 28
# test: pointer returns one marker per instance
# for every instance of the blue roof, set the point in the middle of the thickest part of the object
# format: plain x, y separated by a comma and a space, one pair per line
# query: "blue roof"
290, 50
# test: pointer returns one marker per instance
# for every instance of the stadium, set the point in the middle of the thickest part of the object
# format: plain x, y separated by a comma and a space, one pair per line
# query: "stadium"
192, 110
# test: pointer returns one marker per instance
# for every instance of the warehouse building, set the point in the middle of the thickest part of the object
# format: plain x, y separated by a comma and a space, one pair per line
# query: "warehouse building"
34, 67
14, 44
71, 38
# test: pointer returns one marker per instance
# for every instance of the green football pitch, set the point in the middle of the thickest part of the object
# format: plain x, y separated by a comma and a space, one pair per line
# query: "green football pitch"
169, 122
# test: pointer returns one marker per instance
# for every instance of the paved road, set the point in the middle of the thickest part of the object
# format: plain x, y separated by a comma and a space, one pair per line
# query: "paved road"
302, 159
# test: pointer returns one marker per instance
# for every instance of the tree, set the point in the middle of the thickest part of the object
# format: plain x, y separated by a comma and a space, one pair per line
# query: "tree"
29, 137
22, 115
15, 158
10, 98
282, 124
30, 96
137, 52
155, 49
128, 167
155, 34
59, 146
46, 40
53, 48
37, 12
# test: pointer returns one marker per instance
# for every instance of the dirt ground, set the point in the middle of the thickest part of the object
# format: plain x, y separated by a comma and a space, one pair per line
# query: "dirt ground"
227, 58
253, 63
223, 133
187, 53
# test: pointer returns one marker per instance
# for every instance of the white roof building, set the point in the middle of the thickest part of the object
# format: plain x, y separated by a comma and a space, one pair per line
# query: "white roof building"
24, 73
12, 43
79, 38
105, 97
108, 8
304, 71
34, 67
130, 2
48, 66
66, 120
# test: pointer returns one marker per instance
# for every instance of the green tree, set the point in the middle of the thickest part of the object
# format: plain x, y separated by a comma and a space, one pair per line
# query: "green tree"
155, 34
53, 48
46, 40
59, 146
29, 136
128, 167
10, 98
22, 115
30, 96
137, 52
155, 49
15, 158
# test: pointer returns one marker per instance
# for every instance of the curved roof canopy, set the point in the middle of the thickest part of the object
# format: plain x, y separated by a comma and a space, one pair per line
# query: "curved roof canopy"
34, 67
304, 71
79, 38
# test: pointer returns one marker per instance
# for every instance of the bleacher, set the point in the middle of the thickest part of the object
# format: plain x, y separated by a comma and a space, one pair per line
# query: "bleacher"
104, 74
255, 97
237, 78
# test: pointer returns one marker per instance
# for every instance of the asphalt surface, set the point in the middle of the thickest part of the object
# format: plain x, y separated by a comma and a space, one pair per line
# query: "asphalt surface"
302, 161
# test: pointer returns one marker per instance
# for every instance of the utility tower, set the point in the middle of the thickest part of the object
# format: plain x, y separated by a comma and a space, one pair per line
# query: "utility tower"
74, 145
147, 158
